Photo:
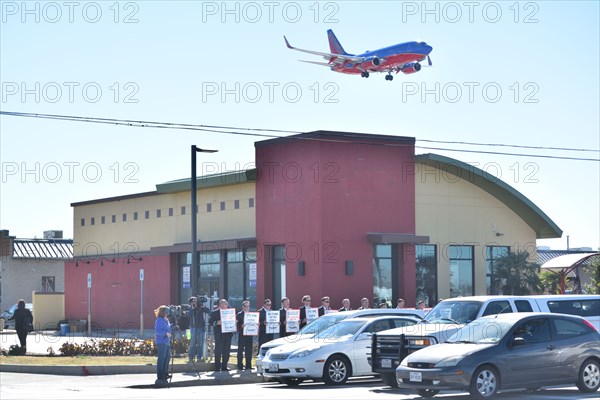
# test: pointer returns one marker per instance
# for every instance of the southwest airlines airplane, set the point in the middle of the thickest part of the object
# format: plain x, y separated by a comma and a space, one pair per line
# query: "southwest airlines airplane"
403, 57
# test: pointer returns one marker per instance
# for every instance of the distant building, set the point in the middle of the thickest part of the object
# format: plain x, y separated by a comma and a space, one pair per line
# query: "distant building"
28, 265
338, 214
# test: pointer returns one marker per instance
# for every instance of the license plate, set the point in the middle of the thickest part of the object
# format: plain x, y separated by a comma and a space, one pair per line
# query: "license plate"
386, 363
273, 367
416, 377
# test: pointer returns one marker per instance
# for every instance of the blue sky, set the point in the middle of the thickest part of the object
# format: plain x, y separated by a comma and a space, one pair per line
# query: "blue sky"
522, 73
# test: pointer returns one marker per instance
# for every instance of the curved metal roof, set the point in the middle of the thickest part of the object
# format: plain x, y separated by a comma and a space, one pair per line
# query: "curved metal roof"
541, 224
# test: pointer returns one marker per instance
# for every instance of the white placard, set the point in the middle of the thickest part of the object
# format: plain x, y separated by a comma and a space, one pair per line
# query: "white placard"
311, 314
89, 280
292, 321
228, 322
272, 322
251, 324
141, 274
331, 311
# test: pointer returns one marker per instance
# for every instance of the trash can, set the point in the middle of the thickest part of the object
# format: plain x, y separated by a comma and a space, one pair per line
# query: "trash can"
64, 329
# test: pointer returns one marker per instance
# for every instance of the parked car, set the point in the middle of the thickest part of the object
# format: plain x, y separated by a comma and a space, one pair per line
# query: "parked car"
327, 320
332, 355
447, 317
504, 351
6, 314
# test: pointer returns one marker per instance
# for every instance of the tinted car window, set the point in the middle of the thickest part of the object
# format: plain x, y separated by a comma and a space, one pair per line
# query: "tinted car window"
534, 331
523, 306
583, 308
400, 323
497, 307
565, 328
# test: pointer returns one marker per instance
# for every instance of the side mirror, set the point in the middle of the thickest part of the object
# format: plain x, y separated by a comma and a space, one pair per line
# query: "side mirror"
365, 336
518, 341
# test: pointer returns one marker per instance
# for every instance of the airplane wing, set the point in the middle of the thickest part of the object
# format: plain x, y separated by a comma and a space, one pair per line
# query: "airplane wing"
318, 63
337, 58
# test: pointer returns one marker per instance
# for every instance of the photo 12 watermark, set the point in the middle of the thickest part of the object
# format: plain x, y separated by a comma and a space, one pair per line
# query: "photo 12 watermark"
55, 12
70, 92
254, 12
270, 92
454, 12
470, 92
69, 172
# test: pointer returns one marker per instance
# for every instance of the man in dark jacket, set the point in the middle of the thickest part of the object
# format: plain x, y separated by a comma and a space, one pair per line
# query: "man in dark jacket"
285, 305
305, 304
222, 340
244, 342
196, 314
263, 336
23, 318
324, 306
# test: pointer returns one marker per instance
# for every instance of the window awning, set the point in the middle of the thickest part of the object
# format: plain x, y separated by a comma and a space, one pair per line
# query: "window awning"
391, 237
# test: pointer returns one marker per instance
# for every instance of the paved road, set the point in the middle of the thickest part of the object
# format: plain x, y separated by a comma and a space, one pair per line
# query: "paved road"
20, 386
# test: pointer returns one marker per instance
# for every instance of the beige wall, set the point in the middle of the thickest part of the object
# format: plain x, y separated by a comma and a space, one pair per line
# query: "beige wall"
22, 276
123, 238
48, 309
453, 211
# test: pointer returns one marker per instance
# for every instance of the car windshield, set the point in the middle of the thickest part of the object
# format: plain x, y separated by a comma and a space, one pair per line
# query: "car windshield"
322, 323
344, 329
454, 312
482, 331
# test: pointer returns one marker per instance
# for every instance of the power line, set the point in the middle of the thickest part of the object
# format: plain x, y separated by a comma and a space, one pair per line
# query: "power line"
256, 133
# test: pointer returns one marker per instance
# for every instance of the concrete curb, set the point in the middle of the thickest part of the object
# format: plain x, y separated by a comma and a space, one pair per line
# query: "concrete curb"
183, 375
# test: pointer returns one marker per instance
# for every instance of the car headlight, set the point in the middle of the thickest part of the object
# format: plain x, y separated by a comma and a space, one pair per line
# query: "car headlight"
449, 362
304, 353
404, 362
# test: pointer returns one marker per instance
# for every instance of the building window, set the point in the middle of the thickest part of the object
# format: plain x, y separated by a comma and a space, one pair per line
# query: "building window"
382, 273
125, 217
209, 207
461, 271
135, 216
236, 204
170, 211
82, 221
493, 253
48, 284
147, 214
114, 219
210, 272
427, 274
182, 210
93, 221
278, 267
222, 206
103, 220
158, 213
251, 202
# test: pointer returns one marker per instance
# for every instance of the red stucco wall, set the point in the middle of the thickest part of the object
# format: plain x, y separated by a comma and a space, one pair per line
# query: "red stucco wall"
320, 199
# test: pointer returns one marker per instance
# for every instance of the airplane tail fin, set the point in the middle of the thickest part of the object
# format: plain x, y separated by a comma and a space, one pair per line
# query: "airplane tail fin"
334, 44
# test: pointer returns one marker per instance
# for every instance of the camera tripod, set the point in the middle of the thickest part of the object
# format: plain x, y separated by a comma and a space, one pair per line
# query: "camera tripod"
176, 331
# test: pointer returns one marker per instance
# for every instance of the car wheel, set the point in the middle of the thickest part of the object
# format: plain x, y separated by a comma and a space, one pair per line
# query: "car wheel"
337, 370
389, 380
427, 393
292, 381
589, 376
484, 383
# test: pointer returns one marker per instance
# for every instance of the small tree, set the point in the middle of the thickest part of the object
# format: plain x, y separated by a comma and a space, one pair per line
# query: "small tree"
593, 271
550, 281
517, 274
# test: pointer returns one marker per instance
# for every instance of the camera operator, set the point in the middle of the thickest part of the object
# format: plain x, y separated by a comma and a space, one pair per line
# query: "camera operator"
196, 316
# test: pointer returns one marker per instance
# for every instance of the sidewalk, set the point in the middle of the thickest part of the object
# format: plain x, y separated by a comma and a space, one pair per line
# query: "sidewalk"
38, 343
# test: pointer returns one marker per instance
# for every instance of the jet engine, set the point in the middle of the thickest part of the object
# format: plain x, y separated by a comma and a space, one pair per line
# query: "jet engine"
371, 62
411, 68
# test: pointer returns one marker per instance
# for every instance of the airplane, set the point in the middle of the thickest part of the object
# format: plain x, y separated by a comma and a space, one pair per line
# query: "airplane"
405, 57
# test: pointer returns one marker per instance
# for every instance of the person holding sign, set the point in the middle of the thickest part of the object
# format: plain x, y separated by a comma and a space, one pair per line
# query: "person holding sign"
263, 335
220, 320
305, 304
324, 306
246, 332
346, 305
285, 306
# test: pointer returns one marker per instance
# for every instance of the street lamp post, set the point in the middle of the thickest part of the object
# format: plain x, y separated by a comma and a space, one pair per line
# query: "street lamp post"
194, 271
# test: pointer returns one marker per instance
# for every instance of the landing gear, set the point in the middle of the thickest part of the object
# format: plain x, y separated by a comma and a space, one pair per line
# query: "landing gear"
364, 74
389, 77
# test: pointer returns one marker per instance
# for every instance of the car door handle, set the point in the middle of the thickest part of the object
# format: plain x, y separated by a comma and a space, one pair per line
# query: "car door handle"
550, 347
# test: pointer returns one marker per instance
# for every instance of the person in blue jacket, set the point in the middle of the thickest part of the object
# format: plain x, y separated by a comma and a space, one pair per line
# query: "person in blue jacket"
162, 338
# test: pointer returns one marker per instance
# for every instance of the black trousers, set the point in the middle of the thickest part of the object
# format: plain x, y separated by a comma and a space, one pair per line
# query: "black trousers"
264, 338
22, 335
222, 349
244, 349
